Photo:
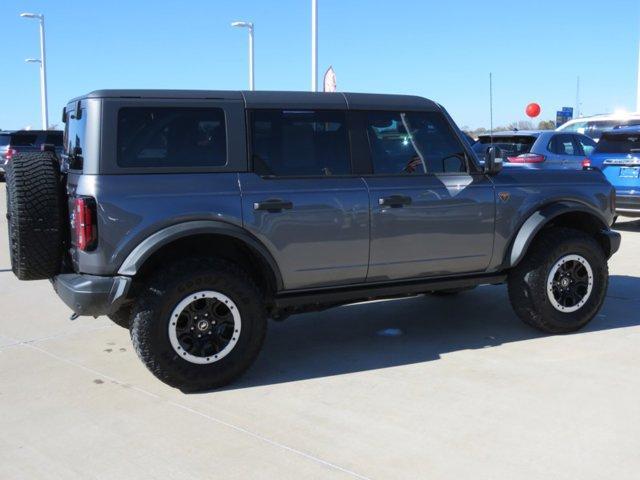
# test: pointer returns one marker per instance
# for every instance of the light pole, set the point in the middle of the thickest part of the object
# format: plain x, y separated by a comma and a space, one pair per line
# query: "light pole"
248, 25
43, 68
314, 45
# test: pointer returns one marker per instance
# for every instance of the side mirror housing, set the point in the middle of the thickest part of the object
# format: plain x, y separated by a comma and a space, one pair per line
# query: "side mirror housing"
493, 161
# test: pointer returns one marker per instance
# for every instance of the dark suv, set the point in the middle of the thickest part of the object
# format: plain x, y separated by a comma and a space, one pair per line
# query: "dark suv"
12, 142
191, 217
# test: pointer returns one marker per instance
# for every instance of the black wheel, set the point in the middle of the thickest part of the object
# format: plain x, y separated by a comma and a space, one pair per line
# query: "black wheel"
562, 282
200, 324
122, 317
35, 215
447, 292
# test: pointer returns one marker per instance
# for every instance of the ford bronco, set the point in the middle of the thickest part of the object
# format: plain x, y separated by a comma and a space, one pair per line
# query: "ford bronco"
192, 217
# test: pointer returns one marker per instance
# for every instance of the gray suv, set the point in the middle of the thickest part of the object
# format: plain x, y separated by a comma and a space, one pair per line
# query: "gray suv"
191, 217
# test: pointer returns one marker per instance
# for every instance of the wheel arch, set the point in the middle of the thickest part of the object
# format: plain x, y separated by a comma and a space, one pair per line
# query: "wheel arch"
566, 213
189, 234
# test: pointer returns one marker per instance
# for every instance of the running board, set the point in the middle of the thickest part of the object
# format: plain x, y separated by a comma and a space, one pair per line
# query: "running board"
351, 294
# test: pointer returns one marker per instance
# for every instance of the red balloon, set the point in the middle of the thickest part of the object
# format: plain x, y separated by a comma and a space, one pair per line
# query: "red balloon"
532, 110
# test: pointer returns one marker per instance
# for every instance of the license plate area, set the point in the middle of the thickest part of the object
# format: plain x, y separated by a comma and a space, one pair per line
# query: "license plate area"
629, 172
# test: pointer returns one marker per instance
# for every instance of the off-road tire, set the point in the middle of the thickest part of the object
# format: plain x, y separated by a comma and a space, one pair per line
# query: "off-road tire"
35, 215
152, 312
527, 282
122, 317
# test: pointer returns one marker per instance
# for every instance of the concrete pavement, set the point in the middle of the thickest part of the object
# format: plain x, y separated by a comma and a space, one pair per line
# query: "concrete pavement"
437, 388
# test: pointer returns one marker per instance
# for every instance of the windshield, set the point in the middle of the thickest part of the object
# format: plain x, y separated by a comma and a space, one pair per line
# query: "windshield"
595, 128
619, 144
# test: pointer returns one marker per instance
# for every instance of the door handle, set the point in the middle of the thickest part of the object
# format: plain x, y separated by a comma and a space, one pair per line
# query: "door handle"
273, 205
394, 201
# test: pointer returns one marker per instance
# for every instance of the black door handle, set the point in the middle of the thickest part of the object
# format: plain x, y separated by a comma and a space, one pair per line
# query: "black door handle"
394, 201
273, 205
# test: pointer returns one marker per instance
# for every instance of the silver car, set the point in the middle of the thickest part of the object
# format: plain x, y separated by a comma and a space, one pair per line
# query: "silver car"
538, 148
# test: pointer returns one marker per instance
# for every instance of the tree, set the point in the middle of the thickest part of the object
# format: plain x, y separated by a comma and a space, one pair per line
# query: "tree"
546, 125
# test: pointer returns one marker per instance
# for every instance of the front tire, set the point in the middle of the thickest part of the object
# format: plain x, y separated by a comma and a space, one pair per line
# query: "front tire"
199, 325
562, 282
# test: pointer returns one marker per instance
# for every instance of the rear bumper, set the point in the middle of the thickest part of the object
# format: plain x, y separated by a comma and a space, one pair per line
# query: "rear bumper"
628, 205
90, 294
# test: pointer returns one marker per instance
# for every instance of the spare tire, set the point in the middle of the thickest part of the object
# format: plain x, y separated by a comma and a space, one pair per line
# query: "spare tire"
35, 213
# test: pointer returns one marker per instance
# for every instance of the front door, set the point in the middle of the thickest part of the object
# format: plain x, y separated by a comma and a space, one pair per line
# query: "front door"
301, 201
431, 214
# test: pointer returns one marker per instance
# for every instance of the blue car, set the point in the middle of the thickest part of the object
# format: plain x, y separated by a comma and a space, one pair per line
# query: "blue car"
617, 155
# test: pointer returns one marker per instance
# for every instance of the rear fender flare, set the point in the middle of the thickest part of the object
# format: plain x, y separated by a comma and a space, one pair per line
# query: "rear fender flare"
163, 237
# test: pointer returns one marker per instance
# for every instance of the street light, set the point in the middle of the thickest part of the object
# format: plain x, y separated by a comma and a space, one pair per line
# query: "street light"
248, 25
314, 45
43, 68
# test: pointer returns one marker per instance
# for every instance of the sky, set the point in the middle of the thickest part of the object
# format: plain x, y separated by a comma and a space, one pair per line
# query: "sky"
440, 50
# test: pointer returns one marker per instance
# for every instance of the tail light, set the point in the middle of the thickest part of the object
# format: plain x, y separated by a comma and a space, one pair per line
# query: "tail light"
527, 158
10, 153
586, 164
84, 216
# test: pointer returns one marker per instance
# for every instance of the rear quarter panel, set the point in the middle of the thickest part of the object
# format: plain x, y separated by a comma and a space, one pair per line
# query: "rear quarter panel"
132, 207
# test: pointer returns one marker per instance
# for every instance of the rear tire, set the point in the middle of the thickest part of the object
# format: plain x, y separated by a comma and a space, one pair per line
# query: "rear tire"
562, 282
35, 213
176, 354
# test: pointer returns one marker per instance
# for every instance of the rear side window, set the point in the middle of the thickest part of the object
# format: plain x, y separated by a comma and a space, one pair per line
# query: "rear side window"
413, 143
171, 137
5, 140
299, 143
588, 145
74, 138
619, 144
562, 145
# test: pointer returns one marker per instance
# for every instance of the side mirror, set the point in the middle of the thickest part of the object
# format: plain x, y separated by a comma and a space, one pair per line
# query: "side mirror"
493, 161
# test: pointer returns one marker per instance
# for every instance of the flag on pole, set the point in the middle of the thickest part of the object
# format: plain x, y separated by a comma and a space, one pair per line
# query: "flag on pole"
329, 80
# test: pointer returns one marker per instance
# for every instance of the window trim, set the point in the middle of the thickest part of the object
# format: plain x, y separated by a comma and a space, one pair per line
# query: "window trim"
468, 159
348, 124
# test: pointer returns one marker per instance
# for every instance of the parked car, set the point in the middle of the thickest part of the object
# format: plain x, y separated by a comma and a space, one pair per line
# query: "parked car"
618, 157
12, 142
594, 126
190, 217
537, 149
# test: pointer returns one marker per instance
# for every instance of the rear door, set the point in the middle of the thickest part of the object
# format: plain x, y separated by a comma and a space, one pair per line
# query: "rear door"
301, 199
431, 214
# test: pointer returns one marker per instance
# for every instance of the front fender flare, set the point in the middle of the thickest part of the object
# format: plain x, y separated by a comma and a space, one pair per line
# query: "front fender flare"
538, 219
163, 237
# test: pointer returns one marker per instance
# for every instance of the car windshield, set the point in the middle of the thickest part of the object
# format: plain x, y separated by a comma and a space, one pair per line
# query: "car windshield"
510, 146
595, 128
616, 143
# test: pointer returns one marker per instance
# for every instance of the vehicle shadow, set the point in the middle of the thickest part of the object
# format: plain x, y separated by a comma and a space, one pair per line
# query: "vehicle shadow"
376, 335
627, 225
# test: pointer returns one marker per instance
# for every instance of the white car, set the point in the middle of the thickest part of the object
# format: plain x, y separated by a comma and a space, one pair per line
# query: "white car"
595, 125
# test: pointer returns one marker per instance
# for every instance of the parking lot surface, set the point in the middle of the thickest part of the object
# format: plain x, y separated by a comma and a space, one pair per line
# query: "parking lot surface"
437, 388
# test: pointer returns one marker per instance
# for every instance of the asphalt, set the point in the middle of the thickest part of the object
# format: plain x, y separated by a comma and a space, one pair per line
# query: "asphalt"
434, 388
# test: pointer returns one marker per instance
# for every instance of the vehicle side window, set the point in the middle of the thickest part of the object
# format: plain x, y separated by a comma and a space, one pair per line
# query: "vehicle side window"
588, 145
409, 143
578, 127
562, 145
300, 143
171, 137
